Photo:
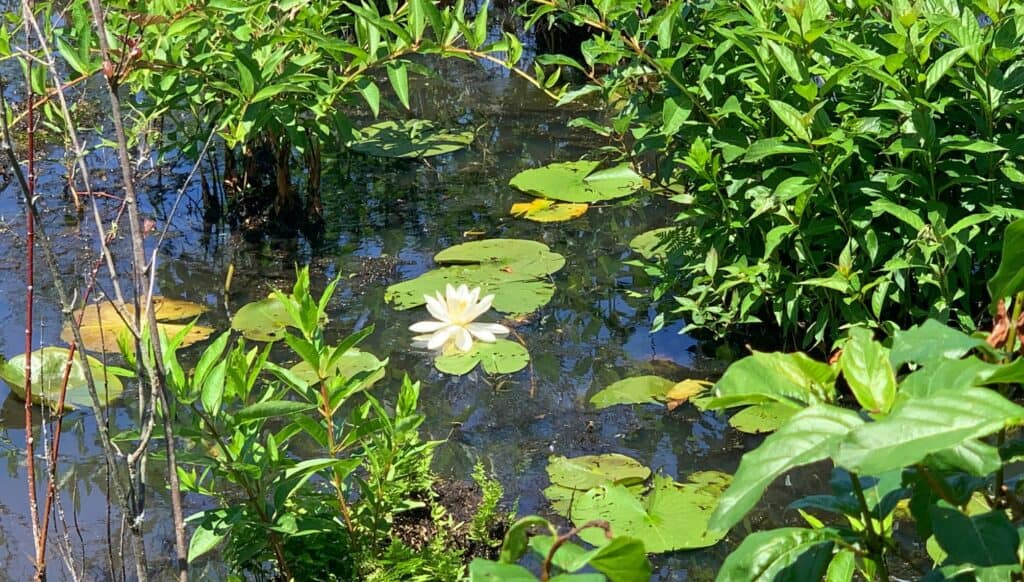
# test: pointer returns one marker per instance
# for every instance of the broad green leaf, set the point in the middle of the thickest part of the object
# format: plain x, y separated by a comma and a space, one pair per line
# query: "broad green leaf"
48, 375
929, 342
399, 77
590, 471
792, 118
412, 138
207, 535
941, 66
623, 559
922, 426
762, 418
515, 543
952, 376
1009, 278
578, 182
654, 518
988, 539
481, 570
635, 390
811, 435
263, 320
765, 555
347, 365
788, 378
271, 409
866, 368
501, 357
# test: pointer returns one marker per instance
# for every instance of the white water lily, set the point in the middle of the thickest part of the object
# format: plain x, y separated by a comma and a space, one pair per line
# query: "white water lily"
454, 313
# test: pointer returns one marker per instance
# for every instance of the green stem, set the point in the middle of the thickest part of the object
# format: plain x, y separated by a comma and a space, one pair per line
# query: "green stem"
876, 542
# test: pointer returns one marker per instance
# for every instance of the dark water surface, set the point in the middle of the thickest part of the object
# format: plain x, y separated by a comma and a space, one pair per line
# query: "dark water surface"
385, 220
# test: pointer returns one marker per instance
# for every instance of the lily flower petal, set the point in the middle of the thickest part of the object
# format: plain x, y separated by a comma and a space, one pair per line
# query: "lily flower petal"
463, 339
441, 337
427, 326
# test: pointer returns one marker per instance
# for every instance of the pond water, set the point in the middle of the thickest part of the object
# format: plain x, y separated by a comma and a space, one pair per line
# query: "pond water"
385, 220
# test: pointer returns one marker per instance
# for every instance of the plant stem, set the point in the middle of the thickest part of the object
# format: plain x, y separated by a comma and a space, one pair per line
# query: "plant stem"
876, 542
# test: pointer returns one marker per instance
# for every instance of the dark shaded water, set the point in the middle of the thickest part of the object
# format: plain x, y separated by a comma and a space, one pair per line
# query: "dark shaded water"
385, 220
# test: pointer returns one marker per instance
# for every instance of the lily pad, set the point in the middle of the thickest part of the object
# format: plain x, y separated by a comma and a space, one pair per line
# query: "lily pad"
262, 321
653, 243
635, 390
762, 418
578, 182
500, 357
348, 365
543, 210
571, 477
102, 323
685, 391
411, 138
672, 516
510, 269
48, 373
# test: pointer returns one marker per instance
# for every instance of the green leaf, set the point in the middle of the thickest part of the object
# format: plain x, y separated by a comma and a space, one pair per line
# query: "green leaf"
515, 543
72, 57
922, 426
988, 539
204, 539
788, 378
811, 435
931, 341
1009, 278
578, 182
654, 519
865, 365
370, 92
624, 559
589, 471
654, 243
481, 570
762, 418
48, 376
635, 390
792, 118
410, 138
940, 67
501, 357
399, 77
780, 554
270, 409
263, 320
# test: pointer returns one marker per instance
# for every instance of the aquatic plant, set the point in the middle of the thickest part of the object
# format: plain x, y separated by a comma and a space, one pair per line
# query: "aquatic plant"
454, 314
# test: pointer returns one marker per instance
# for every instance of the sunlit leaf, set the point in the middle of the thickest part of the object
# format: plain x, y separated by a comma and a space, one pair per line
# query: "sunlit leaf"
578, 182
500, 357
102, 323
543, 210
48, 374
762, 418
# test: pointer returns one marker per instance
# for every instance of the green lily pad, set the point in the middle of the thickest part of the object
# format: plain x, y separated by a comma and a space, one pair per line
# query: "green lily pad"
262, 321
578, 182
672, 516
635, 390
501, 357
48, 373
102, 323
411, 138
510, 269
653, 243
571, 477
348, 365
762, 418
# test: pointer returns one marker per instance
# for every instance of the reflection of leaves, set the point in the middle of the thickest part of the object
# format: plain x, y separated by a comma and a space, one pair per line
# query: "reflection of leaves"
414, 138
48, 374
102, 323
510, 269
578, 182
500, 357
542, 210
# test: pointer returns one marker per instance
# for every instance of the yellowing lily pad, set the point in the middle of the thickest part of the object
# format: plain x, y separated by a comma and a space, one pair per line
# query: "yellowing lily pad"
510, 269
761, 418
578, 182
500, 357
672, 516
543, 210
48, 374
412, 138
102, 323
347, 365
683, 391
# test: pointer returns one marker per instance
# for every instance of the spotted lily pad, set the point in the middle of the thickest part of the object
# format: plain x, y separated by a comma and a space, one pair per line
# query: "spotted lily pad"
543, 210
347, 365
412, 138
102, 323
762, 418
510, 269
671, 516
578, 182
48, 373
500, 357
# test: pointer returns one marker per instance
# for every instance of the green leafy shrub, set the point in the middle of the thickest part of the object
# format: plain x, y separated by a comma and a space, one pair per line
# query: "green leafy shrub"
833, 161
934, 431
